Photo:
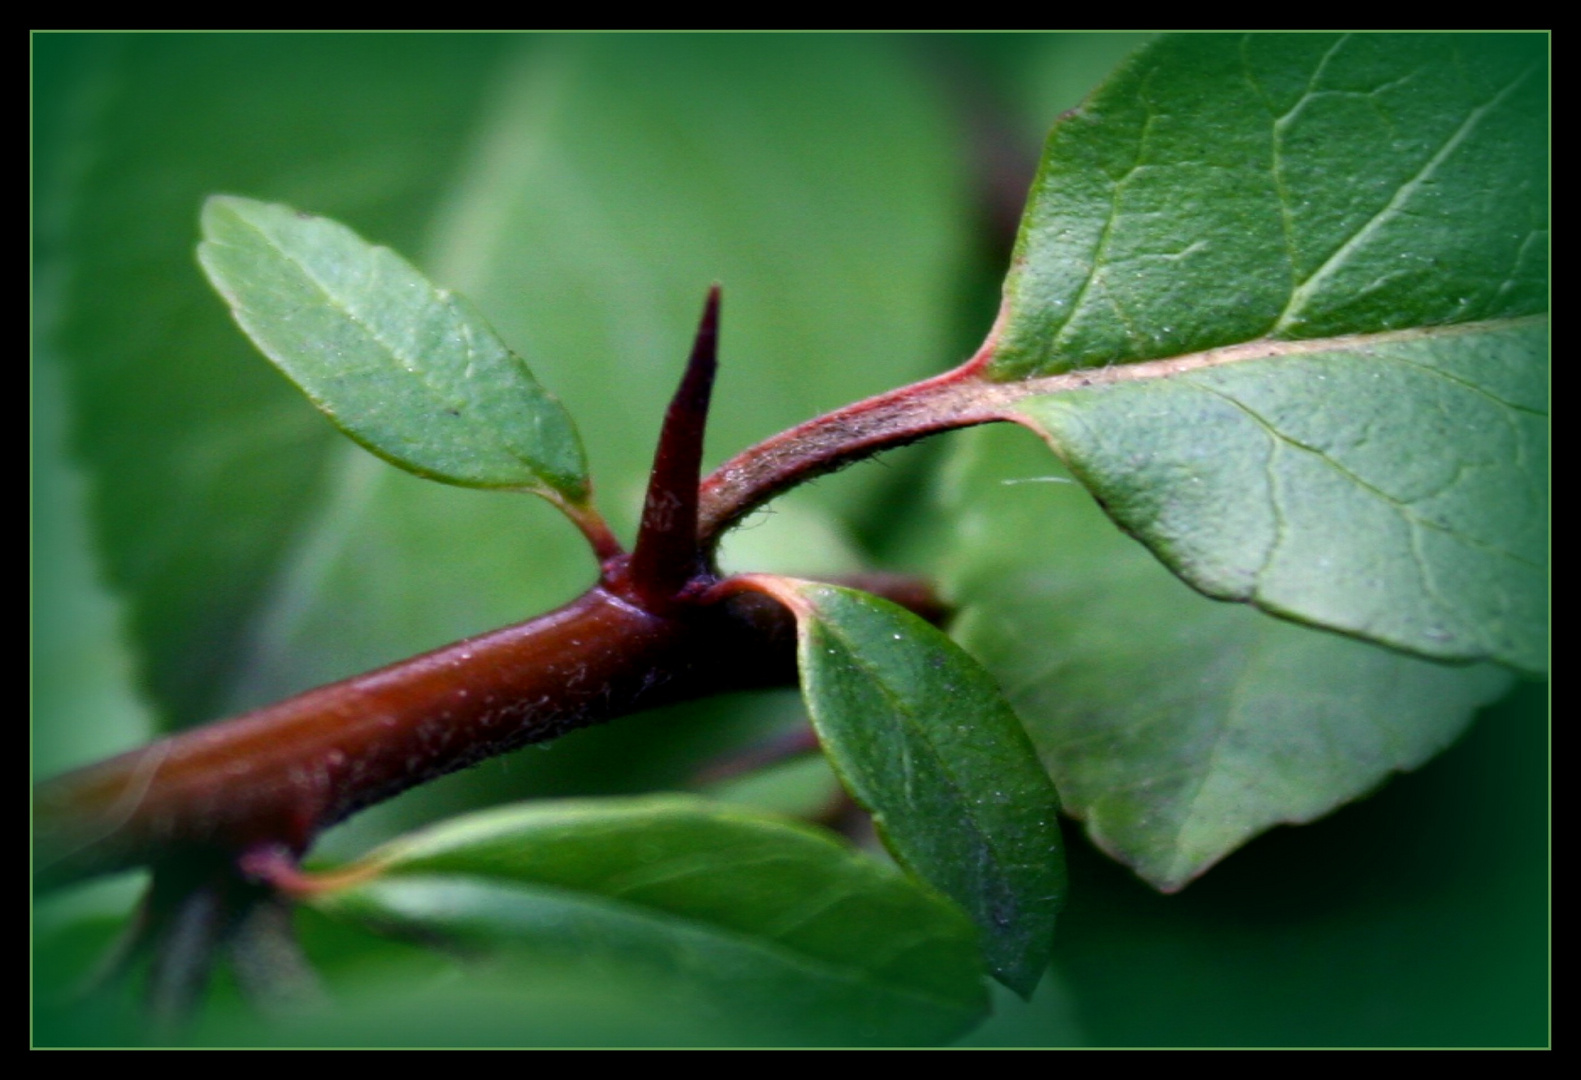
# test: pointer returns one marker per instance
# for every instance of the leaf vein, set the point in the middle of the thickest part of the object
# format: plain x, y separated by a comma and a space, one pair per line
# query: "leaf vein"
1430, 587
1304, 291
1230, 718
1459, 380
1100, 246
1402, 507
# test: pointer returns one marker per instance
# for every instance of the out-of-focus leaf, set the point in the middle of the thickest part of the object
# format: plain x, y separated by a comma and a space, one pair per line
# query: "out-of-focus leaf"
1176, 727
406, 369
1421, 916
203, 466
815, 178
757, 929
803, 787
85, 697
921, 737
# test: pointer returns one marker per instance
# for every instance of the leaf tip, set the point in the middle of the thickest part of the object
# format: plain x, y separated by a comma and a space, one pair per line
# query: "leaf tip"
215, 206
1021, 980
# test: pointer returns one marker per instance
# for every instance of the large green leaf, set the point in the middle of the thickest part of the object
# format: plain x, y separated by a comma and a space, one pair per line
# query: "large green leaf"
1177, 728
755, 928
1219, 189
406, 369
922, 738
1318, 198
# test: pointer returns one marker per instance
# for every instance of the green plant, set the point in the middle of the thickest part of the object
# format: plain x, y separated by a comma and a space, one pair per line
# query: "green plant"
1172, 216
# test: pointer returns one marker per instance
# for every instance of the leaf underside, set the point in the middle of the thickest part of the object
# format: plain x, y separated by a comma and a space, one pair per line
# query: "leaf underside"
1175, 726
1395, 489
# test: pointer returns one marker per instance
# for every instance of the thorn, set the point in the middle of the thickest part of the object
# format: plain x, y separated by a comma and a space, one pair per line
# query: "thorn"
667, 556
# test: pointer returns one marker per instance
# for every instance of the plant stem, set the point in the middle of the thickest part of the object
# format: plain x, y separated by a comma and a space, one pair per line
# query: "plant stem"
653, 631
282, 774
595, 530
956, 399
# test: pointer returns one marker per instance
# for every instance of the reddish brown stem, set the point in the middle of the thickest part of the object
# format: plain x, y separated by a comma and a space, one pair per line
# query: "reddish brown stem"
595, 530
956, 399
650, 633
282, 774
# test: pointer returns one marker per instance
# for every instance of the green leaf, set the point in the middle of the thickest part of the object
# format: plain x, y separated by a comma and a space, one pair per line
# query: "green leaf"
1177, 728
1219, 189
406, 369
1396, 490
1364, 220
921, 737
766, 930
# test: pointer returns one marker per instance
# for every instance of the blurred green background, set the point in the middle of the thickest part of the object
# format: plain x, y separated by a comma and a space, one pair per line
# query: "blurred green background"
204, 542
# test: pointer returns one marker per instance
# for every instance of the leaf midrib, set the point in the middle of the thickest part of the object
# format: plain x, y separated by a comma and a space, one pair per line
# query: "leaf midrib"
1005, 395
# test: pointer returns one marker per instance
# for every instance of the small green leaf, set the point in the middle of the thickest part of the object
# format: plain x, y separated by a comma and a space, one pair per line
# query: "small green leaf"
1176, 727
406, 369
767, 930
923, 738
